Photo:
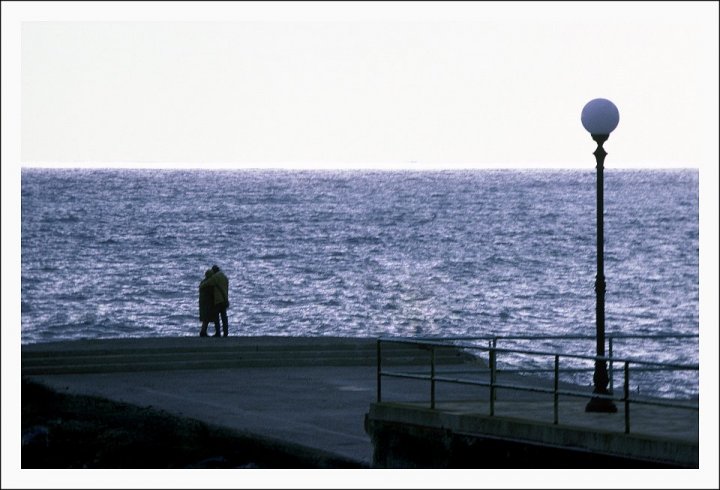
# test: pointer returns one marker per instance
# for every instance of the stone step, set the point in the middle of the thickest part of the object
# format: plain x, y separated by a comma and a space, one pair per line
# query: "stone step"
105, 367
139, 355
169, 356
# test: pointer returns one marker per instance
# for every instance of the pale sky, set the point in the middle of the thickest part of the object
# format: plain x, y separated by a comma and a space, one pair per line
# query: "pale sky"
472, 85
420, 85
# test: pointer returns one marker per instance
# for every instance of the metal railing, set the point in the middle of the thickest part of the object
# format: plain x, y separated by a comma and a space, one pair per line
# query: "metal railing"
493, 351
492, 341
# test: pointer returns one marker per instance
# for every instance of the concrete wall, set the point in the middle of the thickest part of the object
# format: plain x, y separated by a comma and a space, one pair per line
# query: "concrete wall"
422, 438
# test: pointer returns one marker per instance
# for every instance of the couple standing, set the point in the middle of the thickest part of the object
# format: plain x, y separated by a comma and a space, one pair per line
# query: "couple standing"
214, 301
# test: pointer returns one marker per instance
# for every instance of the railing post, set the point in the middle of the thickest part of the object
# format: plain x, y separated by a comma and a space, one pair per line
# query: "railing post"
555, 389
610, 354
379, 386
626, 397
432, 377
492, 382
494, 345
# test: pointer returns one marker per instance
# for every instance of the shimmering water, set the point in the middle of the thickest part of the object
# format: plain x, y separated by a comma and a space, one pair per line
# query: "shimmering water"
120, 253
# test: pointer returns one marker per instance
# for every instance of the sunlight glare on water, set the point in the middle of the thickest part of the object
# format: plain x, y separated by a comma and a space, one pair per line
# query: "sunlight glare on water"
120, 253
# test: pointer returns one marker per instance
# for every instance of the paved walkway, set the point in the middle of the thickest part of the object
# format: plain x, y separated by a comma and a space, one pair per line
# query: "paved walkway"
318, 407
322, 408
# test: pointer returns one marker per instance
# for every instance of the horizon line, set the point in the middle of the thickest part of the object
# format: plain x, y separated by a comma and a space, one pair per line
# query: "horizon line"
390, 166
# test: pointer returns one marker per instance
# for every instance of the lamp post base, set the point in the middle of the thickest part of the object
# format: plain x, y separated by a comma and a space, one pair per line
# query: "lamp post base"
602, 405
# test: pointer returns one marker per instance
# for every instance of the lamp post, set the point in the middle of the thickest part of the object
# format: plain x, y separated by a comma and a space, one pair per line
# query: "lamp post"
600, 117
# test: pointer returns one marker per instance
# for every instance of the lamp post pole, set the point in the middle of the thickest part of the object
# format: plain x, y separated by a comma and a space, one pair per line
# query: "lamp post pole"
600, 117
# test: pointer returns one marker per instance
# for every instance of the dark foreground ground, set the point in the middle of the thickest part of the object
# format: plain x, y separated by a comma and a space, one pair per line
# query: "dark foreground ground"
72, 431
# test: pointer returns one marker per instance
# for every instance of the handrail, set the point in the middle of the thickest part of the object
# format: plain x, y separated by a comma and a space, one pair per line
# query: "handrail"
610, 336
573, 336
541, 353
555, 391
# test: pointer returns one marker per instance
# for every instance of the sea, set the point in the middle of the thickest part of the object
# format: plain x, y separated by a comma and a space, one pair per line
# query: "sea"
118, 253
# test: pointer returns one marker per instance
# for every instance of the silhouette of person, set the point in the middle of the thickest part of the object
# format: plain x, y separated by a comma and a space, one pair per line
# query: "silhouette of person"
207, 306
218, 282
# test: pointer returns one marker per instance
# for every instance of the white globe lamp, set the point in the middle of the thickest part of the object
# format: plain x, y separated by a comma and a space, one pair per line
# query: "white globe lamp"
600, 117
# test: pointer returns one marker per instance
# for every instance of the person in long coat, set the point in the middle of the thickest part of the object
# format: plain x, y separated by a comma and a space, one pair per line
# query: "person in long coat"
207, 306
218, 283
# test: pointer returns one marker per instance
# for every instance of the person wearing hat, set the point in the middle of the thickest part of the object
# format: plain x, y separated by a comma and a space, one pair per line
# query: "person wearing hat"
218, 282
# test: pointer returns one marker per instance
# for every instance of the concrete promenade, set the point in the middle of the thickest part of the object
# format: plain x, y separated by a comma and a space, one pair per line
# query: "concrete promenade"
310, 392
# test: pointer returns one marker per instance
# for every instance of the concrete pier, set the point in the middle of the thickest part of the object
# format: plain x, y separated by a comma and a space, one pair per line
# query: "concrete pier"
319, 394
310, 393
463, 435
